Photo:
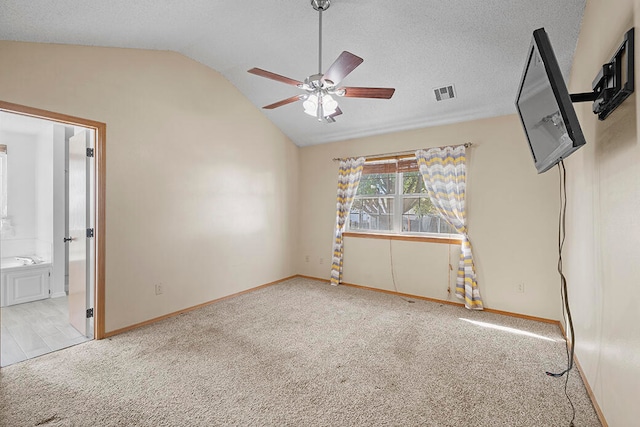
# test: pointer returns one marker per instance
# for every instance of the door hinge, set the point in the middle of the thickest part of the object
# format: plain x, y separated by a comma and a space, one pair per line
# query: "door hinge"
89, 233
89, 313
89, 152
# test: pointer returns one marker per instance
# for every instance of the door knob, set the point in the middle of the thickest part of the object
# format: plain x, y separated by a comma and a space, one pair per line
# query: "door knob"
67, 239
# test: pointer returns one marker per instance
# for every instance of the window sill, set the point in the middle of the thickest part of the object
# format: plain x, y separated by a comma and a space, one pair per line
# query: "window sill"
405, 237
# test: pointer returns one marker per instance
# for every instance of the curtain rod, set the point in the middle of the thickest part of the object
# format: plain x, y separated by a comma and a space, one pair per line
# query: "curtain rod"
399, 153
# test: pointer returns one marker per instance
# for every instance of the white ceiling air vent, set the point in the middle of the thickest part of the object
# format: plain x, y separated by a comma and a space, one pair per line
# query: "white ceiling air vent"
445, 92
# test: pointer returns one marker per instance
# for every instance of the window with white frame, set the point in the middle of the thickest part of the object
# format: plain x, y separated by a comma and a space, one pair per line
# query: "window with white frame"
392, 199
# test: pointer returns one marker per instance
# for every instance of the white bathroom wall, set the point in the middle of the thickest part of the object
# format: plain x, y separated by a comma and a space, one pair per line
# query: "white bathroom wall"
21, 193
44, 193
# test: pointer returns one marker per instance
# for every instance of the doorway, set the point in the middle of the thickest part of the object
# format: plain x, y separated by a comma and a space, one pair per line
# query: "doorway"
52, 275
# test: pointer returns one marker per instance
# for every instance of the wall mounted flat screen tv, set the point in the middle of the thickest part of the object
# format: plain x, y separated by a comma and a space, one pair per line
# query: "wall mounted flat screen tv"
545, 107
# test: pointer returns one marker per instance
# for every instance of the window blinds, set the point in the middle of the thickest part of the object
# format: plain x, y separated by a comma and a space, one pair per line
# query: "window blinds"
390, 166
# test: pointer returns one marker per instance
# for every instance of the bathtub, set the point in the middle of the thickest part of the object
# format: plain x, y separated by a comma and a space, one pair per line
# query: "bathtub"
23, 283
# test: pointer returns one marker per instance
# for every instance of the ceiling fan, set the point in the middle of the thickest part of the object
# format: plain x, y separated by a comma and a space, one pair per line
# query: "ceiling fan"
317, 101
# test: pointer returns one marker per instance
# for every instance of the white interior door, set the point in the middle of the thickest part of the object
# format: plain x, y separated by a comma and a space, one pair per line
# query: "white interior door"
77, 239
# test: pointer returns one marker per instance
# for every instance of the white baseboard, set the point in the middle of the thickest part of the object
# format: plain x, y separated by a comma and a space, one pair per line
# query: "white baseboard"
58, 294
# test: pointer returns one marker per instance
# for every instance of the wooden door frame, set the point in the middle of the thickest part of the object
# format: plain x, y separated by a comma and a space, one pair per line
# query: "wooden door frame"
100, 164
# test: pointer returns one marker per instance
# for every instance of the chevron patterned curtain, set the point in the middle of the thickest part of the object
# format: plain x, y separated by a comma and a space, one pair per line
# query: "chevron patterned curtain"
348, 180
444, 173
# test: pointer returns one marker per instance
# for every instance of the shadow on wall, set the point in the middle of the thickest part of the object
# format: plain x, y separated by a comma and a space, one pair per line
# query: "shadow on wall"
618, 133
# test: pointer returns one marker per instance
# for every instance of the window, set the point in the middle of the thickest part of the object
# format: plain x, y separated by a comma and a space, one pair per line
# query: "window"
392, 198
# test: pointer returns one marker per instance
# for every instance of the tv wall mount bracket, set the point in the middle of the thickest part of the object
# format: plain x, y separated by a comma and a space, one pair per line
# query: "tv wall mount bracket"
608, 89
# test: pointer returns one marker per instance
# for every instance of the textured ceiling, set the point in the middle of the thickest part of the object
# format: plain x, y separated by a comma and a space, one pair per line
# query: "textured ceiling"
412, 45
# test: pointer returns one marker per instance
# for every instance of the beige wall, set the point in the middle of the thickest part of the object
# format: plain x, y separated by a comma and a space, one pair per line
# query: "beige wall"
201, 187
512, 216
202, 196
602, 253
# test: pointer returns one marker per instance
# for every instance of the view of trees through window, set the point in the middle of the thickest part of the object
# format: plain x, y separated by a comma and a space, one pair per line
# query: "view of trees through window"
395, 202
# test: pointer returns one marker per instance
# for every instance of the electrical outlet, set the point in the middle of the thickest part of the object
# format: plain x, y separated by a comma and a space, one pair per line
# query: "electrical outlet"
520, 288
159, 289
307, 258
321, 260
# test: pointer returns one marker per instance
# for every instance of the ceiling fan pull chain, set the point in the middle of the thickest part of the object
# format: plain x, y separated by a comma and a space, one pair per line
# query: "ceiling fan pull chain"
320, 110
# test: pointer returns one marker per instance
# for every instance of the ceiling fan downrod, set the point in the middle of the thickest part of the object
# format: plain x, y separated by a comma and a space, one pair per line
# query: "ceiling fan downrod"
320, 6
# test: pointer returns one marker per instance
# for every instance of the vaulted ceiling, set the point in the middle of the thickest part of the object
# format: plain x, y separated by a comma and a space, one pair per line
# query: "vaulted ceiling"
478, 47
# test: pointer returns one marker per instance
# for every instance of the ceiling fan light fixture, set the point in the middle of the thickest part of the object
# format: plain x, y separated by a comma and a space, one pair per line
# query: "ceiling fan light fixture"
329, 105
311, 105
320, 105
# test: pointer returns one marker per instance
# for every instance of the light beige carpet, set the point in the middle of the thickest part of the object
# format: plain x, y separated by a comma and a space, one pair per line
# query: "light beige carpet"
303, 353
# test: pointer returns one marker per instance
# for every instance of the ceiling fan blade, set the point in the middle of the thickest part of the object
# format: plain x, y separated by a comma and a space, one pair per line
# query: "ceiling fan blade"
346, 63
368, 92
273, 76
283, 102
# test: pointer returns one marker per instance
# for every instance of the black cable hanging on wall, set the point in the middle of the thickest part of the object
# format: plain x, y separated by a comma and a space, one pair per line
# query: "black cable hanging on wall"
566, 311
